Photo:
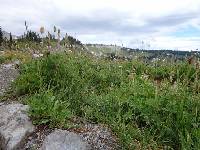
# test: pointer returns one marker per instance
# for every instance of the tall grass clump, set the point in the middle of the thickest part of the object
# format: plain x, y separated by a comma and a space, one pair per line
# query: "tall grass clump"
123, 95
2, 59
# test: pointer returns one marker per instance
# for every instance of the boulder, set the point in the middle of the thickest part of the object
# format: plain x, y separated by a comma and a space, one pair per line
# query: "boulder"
15, 126
64, 140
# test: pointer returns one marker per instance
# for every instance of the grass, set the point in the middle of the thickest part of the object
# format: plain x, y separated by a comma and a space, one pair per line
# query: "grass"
12, 55
124, 95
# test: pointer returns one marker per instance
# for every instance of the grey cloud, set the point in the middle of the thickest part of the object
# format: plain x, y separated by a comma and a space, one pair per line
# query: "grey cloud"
113, 21
98, 24
172, 19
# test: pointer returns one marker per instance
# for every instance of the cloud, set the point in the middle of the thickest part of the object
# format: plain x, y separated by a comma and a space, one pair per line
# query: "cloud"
173, 19
117, 22
108, 21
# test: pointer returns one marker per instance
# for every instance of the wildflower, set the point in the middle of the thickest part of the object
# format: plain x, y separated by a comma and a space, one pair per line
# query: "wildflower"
41, 30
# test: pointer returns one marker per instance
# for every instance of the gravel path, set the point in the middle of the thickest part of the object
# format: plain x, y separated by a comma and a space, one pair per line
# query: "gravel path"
8, 74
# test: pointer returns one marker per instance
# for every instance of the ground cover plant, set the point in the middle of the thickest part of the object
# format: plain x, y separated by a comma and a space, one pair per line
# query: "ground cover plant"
13, 55
147, 107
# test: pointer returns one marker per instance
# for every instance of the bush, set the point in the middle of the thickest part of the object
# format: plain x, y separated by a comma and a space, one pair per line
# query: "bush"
47, 109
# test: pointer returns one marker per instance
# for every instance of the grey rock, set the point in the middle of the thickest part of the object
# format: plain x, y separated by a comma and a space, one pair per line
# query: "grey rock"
64, 140
15, 126
8, 74
37, 55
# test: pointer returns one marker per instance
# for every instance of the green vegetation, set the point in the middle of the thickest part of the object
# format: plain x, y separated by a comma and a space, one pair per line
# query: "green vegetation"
2, 59
150, 102
147, 107
10, 56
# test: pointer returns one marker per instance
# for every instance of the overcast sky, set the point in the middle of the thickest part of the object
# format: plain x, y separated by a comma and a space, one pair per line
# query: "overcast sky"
158, 24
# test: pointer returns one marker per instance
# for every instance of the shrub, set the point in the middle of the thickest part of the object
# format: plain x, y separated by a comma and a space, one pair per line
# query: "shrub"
48, 109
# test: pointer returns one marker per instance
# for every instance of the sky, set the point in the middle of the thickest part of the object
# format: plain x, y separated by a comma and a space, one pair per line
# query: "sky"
146, 24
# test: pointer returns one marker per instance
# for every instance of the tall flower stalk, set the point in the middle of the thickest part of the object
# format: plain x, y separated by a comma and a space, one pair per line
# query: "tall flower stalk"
58, 44
42, 32
54, 30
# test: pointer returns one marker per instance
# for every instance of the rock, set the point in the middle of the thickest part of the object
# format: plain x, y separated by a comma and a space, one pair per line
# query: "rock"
8, 74
17, 62
64, 140
2, 52
7, 66
98, 136
37, 55
15, 126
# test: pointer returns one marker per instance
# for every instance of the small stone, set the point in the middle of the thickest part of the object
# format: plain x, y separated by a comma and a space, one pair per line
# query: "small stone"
37, 55
64, 140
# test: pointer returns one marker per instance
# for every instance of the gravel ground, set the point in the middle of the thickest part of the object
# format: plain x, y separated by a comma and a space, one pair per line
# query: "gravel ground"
8, 74
98, 137
36, 139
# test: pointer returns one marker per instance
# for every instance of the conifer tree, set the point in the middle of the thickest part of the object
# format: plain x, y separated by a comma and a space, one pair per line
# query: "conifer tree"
10, 41
1, 36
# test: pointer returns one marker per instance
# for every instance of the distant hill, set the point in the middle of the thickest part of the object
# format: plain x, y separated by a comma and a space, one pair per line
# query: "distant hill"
102, 49
148, 55
6, 35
